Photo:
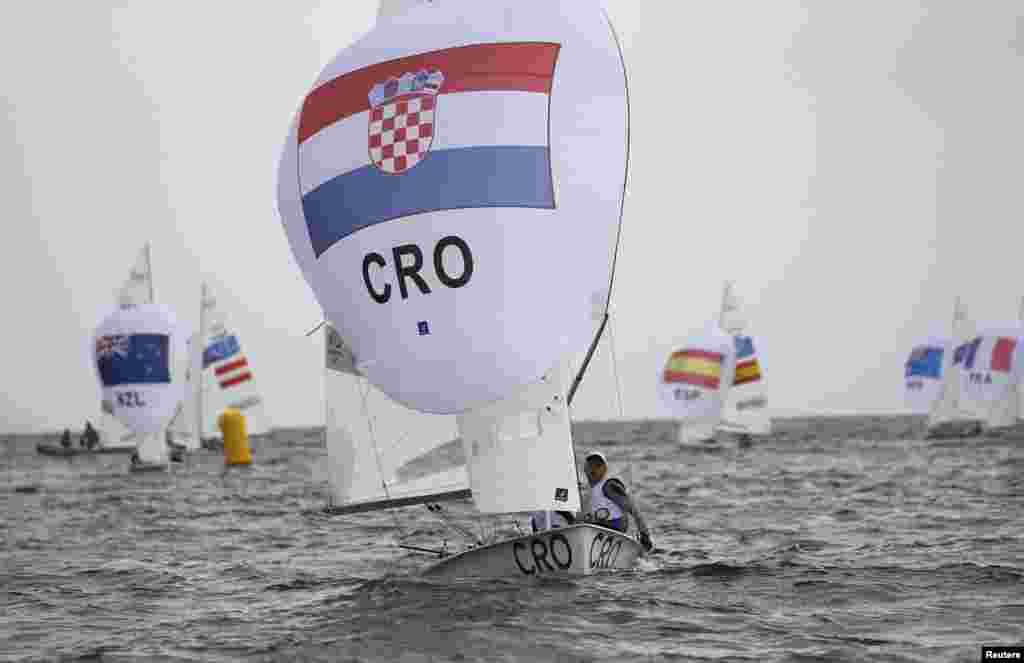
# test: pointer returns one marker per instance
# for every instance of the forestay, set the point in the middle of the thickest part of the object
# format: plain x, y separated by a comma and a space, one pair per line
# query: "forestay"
438, 180
381, 454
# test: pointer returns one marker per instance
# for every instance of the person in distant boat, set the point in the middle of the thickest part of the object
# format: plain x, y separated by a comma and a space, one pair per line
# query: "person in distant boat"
538, 520
610, 506
65, 439
92, 438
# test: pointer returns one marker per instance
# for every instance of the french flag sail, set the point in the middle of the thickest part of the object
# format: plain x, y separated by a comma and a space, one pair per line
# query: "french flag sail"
455, 128
987, 366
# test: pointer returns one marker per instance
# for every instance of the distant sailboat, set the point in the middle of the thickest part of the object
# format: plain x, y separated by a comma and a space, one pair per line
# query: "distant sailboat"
693, 383
745, 409
950, 416
1005, 418
226, 375
136, 351
136, 291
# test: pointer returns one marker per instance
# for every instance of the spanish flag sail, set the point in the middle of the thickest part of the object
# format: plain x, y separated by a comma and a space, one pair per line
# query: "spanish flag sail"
692, 380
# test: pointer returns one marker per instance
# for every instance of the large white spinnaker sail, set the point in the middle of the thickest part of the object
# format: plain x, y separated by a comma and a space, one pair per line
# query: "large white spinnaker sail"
450, 276
692, 382
989, 372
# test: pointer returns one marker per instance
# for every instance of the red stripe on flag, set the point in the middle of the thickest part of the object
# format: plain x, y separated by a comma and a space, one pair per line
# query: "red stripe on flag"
699, 354
525, 67
1002, 354
230, 366
235, 380
672, 377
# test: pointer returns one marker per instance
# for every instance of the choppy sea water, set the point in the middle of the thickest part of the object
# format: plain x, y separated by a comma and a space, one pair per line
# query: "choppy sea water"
837, 539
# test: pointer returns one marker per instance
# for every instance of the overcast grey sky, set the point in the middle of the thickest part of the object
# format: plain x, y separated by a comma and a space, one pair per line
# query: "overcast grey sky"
851, 166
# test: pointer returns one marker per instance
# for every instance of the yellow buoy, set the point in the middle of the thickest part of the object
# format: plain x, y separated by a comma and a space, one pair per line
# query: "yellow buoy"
236, 439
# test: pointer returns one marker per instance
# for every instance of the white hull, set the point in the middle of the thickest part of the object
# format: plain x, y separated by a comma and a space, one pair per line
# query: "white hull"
574, 550
143, 466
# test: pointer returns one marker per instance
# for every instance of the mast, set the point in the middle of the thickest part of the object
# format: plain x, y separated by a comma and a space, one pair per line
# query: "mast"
149, 268
198, 368
725, 301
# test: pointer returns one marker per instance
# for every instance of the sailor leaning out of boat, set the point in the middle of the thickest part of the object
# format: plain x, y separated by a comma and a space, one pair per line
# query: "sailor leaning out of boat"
609, 504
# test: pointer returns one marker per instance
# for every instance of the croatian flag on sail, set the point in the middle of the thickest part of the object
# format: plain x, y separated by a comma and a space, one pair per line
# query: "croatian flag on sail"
230, 366
133, 359
456, 128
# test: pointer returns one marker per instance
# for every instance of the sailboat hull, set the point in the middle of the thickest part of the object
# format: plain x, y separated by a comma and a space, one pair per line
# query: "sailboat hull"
574, 550
56, 450
948, 430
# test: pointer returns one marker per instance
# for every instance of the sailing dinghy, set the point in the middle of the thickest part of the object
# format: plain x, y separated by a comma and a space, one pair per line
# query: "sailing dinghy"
226, 377
745, 408
693, 382
136, 291
950, 415
136, 350
449, 159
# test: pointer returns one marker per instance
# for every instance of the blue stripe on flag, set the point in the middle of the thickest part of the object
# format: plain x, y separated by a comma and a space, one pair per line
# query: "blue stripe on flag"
143, 359
744, 347
965, 353
468, 177
221, 349
925, 362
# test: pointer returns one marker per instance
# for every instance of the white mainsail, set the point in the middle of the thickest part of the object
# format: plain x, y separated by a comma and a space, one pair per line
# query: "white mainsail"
182, 429
381, 454
227, 378
745, 407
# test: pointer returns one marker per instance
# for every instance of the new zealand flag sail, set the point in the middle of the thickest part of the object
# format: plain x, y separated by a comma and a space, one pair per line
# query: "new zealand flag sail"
133, 359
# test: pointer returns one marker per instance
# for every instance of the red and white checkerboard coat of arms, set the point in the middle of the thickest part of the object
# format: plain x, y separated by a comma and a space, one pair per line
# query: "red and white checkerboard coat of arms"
402, 113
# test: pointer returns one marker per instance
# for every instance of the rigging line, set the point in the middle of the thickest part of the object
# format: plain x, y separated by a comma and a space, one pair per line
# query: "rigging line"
363, 387
618, 397
314, 329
